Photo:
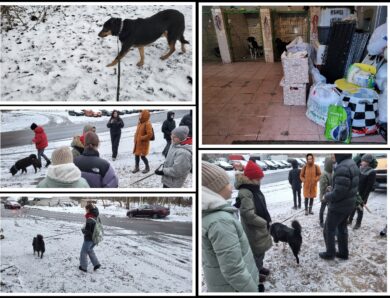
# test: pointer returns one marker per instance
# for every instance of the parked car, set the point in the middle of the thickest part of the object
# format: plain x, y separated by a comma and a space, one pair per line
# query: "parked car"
381, 172
91, 113
280, 164
12, 204
224, 165
75, 113
303, 160
262, 165
288, 165
153, 211
271, 165
105, 113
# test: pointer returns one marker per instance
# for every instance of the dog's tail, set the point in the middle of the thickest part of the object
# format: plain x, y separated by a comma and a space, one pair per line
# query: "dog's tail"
183, 41
297, 227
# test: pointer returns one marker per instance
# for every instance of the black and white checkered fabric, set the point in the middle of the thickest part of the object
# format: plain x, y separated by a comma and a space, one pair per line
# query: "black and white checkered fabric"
364, 116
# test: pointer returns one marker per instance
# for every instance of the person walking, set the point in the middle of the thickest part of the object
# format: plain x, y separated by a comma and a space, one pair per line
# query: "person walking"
178, 163
310, 175
325, 185
115, 124
341, 202
227, 259
97, 171
296, 183
142, 137
167, 127
254, 214
91, 216
63, 173
41, 142
367, 180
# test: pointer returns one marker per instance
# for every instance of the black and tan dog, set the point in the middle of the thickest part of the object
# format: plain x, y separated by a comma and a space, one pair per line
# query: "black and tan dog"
23, 163
142, 32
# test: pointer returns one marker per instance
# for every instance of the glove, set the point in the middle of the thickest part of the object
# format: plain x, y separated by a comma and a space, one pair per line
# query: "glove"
159, 172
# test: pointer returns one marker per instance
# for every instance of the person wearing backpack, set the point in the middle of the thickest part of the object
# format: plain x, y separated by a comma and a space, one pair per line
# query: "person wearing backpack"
92, 236
310, 175
143, 135
178, 163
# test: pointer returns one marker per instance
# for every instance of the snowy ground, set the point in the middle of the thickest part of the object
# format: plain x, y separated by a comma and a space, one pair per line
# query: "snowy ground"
123, 165
63, 59
131, 262
365, 271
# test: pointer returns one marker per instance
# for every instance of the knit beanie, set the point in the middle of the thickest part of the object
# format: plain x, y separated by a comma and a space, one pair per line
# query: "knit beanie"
91, 138
367, 158
253, 171
214, 177
61, 155
181, 132
87, 128
33, 126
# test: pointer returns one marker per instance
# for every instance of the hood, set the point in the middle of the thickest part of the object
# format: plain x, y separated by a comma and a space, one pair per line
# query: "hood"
169, 114
95, 211
87, 128
145, 116
211, 201
242, 179
76, 142
328, 165
341, 157
314, 160
184, 146
39, 129
64, 173
294, 164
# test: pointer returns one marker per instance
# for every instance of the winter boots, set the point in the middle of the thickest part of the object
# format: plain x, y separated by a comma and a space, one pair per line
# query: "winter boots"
306, 211
96, 267
357, 226
81, 268
310, 210
326, 256
147, 169
48, 163
136, 169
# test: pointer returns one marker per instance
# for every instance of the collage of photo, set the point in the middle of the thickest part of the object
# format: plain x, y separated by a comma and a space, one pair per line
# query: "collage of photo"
193, 149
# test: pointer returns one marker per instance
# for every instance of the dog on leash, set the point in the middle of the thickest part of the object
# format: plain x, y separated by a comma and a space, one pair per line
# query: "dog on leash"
292, 236
23, 163
142, 32
254, 48
39, 245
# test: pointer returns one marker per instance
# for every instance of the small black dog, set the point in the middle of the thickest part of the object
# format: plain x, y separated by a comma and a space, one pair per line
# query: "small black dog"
39, 245
254, 48
23, 163
280, 46
292, 236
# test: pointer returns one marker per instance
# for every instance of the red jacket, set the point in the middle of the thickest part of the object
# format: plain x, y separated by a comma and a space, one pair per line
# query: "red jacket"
187, 141
40, 138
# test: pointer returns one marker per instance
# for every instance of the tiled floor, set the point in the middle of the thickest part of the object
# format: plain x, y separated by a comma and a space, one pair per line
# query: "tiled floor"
243, 102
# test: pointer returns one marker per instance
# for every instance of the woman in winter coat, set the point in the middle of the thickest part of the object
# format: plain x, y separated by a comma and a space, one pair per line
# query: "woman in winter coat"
142, 137
178, 163
167, 128
254, 214
115, 124
367, 179
78, 141
310, 175
341, 202
63, 173
88, 244
296, 183
227, 259
97, 171
325, 184
40, 140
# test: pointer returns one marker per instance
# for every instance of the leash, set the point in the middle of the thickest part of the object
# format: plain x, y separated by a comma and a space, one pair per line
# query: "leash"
119, 72
295, 214
58, 235
150, 175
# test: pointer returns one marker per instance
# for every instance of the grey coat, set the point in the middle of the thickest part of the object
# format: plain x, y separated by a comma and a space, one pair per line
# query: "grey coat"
177, 165
227, 259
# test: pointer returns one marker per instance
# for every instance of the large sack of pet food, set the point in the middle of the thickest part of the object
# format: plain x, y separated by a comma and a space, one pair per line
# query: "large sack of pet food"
338, 124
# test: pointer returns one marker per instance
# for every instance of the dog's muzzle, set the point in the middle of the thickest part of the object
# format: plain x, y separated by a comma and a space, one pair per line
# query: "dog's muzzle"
104, 33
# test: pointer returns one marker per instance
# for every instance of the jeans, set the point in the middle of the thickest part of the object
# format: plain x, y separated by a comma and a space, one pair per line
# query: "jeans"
166, 149
297, 193
42, 154
259, 261
322, 210
360, 215
87, 250
115, 138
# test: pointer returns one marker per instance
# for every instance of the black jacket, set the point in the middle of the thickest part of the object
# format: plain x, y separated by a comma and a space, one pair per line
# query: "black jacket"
294, 176
342, 198
366, 183
90, 225
187, 121
116, 126
168, 126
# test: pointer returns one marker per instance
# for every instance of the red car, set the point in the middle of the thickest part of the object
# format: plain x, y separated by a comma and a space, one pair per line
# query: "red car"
12, 205
153, 211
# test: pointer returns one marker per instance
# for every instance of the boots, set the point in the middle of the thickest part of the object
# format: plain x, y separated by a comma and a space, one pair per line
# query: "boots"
147, 169
357, 226
306, 211
310, 210
321, 224
48, 163
136, 169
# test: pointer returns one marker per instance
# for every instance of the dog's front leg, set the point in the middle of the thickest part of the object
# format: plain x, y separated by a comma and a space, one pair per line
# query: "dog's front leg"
122, 53
142, 56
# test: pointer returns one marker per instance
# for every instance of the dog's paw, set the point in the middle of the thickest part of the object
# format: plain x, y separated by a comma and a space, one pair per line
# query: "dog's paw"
163, 57
140, 64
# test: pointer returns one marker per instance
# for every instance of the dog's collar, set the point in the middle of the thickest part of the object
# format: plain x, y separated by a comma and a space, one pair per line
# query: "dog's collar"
121, 28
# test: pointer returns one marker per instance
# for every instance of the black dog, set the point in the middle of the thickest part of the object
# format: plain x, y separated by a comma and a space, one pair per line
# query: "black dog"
280, 46
281, 232
39, 245
142, 32
254, 48
23, 163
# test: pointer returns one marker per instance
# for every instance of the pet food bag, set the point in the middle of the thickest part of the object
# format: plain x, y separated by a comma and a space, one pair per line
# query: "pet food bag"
364, 111
358, 76
293, 94
321, 96
295, 67
338, 124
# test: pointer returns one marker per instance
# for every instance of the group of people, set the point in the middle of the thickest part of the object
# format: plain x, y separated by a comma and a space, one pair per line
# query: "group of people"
233, 247
82, 167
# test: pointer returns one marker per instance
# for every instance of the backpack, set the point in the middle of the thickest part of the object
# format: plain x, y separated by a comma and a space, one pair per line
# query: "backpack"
98, 232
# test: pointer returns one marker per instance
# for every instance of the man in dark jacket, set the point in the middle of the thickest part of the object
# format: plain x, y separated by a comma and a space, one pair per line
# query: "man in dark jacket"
167, 128
341, 202
187, 121
295, 182
367, 179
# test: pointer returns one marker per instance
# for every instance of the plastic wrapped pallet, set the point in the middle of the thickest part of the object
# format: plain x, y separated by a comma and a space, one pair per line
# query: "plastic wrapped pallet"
294, 94
295, 67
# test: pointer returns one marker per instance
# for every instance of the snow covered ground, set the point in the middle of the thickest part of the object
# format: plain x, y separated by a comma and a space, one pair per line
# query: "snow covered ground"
365, 271
63, 59
131, 262
123, 165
